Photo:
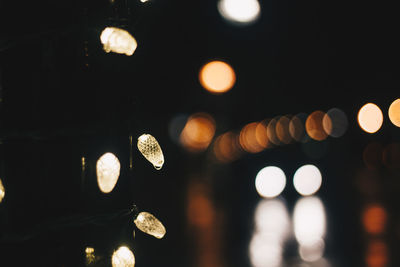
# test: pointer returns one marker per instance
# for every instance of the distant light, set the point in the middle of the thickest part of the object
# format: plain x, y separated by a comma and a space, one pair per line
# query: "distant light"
107, 170
2, 191
239, 11
144, 1
272, 219
314, 125
262, 134
271, 131
377, 254
248, 138
151, 150
297, 127
226, 147
270, 182
90, 257
374, 219
282, 130
149, 224
312, 252
217, 77
198, 132
118, 41
264, 252
123, 257
307, 180
309, 220
335, 122
370, 118
394, 112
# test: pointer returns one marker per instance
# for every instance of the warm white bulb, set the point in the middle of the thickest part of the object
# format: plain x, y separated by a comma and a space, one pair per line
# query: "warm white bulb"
123, 257
307, 180
107, 169
118, 41
2, 191
270, 181
148, 223
239, 11
151, 150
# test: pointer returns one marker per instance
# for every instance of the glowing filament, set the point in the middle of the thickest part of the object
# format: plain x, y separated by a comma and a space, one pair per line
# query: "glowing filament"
107, 169
2, 191
118, 41
149, 224
123, 257
151, 150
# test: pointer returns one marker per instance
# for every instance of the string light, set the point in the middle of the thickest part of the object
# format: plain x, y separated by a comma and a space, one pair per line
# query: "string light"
90, 257
2, 191
107, 169
123, 257
151, 150
118, 41
149, 224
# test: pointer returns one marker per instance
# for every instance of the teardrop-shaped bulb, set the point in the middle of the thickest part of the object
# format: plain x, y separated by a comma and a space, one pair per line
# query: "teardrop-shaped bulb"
148, 223
151, 150
107, 169
123, 257
2, 191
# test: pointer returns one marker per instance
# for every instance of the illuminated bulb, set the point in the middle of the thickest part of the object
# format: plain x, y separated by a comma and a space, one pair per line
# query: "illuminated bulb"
307, 180
123, 257
2, 191
146, 222
394, 112
107, 169
370, 118
217, 77
151, 150
90, 257
118, 41
270, 182
239, 11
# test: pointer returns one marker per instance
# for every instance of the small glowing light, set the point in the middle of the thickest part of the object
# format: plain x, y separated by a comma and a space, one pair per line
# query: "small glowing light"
90, 257
107, 170
270, 182
144, 1
198, 132
377, 254
227, 147
314, 125
374, 219
272, 219
118, 41
271, 131
312, 252
239, 11
264, 252
297, 127
309, 220
2, 191
282, 130
370, 118
335, 122
149, 224
262, 134
248, 138
217, 77
123, 257
151, 150
307, 180
394, 112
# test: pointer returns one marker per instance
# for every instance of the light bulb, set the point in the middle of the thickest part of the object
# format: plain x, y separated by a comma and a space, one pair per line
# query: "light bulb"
2, 191
123, 257
151, 150
146, 222
107, 169
90, 257
118, 41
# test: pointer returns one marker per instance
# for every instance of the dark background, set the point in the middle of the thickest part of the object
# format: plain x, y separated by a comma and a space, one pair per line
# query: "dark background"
64, 98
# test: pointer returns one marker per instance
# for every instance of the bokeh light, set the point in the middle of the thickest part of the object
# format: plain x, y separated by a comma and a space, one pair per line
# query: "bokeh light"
373, 155
307, 180
217, 77
118, 41
272, 219
370, 118
198, 132
270, 182
176, 126
394, 112
2, 191
312, 252
262, 134
123, 257
374, 219
264, 252
309, 220
282, 130
248, 138
227, 148
297, 127
391, 156
335, 122
271, 131
239, 11
314, 125
377, 254
107, 170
